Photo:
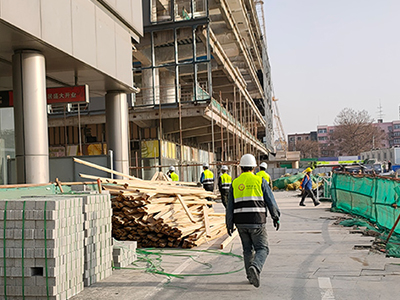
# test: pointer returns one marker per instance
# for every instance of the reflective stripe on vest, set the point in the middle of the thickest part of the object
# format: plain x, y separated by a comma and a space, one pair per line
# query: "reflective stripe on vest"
249, 206
174, 176
226, 181
208, 177
249, 209
264, 175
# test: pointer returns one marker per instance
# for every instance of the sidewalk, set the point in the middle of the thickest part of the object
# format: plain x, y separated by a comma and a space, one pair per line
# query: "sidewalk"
310, 258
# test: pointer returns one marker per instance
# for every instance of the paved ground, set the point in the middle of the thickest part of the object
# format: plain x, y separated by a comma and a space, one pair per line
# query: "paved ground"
310, 258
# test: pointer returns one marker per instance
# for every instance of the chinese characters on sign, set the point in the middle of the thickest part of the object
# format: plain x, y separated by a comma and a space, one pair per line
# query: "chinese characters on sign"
68, 94
73, 94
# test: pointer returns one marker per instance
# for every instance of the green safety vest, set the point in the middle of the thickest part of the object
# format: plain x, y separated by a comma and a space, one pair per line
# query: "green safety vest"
249, 205
226, 181
208, 177
264, 175
174, 176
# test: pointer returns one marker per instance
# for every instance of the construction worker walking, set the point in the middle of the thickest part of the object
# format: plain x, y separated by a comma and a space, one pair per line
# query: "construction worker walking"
306, 185
171, 173
263, 173
249, 198
224, 183
207, 178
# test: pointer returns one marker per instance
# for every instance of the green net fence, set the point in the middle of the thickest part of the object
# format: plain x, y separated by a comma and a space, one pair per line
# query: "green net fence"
376, 199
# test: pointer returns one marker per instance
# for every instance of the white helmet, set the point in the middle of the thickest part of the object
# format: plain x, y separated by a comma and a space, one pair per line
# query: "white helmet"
263, 165
171, 168
248, 160
224, 168
206, 165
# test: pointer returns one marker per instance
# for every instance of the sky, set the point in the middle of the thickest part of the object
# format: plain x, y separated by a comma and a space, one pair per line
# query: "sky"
327, 55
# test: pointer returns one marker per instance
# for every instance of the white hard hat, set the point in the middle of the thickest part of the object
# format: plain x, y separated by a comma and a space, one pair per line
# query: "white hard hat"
264, 165
205, 165
171, 168
224, 168
248, 160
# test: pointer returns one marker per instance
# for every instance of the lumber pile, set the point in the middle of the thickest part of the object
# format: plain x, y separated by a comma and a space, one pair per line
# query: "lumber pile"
160, 213
157, 215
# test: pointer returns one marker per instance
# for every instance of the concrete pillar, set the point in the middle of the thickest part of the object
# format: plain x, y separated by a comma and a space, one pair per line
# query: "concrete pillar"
148, 91
117, 129
167, 87
30, 117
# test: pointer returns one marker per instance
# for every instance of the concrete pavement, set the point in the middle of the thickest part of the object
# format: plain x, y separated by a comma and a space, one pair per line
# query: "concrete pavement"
310, 258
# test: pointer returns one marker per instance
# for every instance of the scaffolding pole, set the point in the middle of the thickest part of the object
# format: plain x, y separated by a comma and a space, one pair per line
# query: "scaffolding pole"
222, 128
227, 131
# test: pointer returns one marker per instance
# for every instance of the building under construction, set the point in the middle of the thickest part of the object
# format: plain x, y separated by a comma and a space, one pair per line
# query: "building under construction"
202, 83
204, 79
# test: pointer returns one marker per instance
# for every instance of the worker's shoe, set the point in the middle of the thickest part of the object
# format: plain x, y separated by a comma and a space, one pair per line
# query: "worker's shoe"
302, 204
254, 276
317, 203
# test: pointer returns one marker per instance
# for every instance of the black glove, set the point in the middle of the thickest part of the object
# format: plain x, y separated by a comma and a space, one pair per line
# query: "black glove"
230, 231
276, 224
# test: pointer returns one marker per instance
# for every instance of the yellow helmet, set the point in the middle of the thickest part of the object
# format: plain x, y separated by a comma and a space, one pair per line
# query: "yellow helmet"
308, 170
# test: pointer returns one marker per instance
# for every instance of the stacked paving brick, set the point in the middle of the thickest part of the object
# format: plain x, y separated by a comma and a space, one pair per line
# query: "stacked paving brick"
45, 260
65, 245
124, 253
98, 240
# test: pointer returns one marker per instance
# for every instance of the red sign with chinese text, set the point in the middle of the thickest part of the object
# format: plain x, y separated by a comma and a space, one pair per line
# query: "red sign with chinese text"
73, 94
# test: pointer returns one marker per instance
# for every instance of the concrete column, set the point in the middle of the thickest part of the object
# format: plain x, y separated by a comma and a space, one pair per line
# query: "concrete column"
30, 117
117, 129
149, 93
167, 87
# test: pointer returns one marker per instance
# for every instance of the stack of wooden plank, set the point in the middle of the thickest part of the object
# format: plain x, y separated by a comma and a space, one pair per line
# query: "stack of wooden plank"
159, 215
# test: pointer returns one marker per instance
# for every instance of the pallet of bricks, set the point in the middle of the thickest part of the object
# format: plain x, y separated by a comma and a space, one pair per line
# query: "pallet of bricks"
51, 247
163, 214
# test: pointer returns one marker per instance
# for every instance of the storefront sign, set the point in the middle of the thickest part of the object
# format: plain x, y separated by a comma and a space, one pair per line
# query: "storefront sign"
60, 95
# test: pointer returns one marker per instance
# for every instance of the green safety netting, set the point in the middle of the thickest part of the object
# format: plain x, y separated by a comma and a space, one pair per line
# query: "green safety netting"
358, 223
373, 198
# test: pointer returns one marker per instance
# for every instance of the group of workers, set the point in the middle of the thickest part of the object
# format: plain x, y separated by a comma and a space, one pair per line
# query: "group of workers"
247, 200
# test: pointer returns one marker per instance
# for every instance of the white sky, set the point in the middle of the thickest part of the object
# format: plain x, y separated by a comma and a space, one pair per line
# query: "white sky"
326, 55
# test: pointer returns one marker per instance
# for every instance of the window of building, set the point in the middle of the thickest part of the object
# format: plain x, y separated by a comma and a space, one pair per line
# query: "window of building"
384, 155
379, 156
330, 130
396, 141
307, 138
299, 138
396, 126
322, 130
291, 138
322, 138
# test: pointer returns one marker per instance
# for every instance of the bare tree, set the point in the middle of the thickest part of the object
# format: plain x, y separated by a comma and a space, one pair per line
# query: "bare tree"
354, 132
307, 148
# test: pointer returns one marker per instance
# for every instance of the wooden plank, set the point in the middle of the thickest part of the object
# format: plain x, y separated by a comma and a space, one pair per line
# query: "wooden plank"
185, 208
79, 161
206, 221
228, 240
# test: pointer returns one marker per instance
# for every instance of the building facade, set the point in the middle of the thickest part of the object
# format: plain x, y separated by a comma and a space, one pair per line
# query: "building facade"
295, 138
49, 44
204, 79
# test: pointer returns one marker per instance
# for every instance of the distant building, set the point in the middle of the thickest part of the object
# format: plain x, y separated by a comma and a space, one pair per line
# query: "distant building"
392, 133
326, 145
391, 138
293, 139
